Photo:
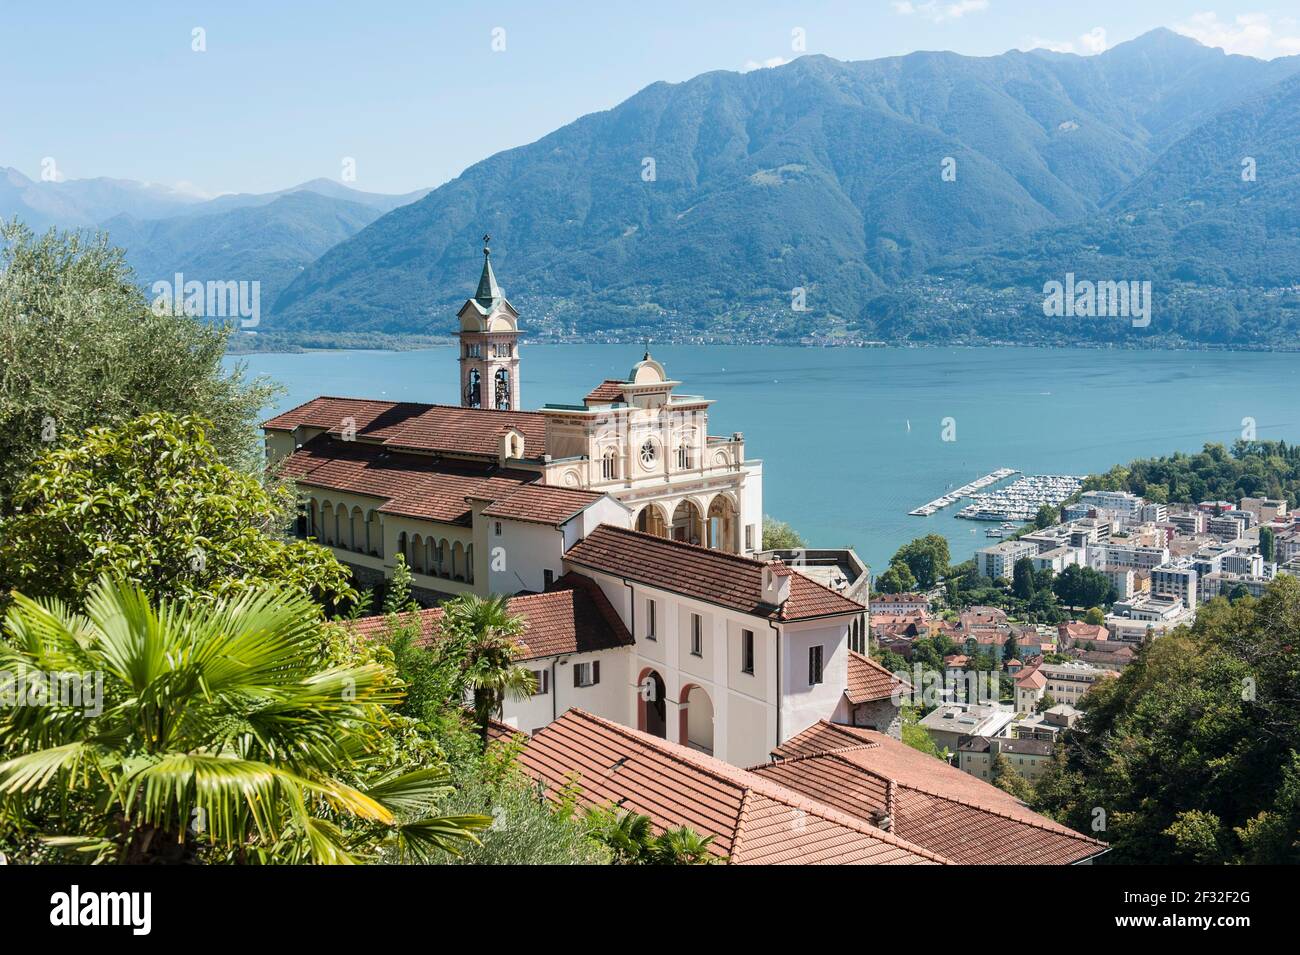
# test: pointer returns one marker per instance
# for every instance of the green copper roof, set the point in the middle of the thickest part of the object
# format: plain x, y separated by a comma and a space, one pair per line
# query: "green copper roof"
489, 293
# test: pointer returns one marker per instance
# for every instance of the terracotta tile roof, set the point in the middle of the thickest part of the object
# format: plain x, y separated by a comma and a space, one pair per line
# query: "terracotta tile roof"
1030, 679
937, 806
420, 427
726, 579
542, 504
611, 389
576, 617
868, 680
754, 821
408, 484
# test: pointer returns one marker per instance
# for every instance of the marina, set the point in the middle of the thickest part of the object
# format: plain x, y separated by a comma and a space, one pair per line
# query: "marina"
1021, 500
966, 490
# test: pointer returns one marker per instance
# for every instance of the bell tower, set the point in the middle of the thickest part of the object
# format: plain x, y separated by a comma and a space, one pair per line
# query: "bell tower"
489, 345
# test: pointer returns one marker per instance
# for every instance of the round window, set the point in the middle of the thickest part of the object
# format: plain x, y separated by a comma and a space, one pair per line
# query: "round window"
648, 454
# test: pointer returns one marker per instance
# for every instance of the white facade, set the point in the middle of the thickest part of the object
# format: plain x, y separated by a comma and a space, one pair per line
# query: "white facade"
717, 696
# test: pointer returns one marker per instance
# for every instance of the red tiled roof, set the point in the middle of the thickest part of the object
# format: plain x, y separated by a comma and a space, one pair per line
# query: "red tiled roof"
575, 617
611, 389
754, 821
1030, 679
420, 427
409, 484
726, 579
937, 806
868, 680
542, 504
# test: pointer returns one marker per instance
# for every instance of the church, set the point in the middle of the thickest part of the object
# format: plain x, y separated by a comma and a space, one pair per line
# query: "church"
628, 537
437, 482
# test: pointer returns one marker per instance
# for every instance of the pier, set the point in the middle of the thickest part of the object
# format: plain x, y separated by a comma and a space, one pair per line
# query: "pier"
966, 490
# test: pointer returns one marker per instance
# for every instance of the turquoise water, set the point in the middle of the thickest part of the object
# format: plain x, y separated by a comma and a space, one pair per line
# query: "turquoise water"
832, 424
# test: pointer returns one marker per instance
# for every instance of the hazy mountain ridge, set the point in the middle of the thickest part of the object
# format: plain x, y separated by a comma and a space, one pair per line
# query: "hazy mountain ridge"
818, 174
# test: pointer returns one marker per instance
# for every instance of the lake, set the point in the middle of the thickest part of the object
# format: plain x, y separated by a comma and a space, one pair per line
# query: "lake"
852, 438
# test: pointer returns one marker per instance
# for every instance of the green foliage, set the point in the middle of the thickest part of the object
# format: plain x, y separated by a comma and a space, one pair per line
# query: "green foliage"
150, 502
1081, 586
1005, 777
897, 579
479, 637
1192, 750
926, 557
80, 348
1095, 616
1250, 469
527, 829
917, 736
1046, 516
397, 598
1022, 579
1267, 541
216, 735
631, 840
778, 535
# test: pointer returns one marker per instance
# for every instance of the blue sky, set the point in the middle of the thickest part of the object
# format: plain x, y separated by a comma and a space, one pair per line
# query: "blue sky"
414, 92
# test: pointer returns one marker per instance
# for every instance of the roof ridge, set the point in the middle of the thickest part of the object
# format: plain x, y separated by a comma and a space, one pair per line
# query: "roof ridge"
737, 834
736, 558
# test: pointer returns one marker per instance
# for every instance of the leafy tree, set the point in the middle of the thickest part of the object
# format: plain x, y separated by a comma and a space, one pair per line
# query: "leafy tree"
215, 736
917, 736
1046, 516
1022, 578
397, 598
80, 348
1045, 703
897, 579
1005, 777
631, 839
482, 635
1192, 748
926, 557
1011, 649
778, 535
1095, 616
1266, 543
1080, 586
150, 502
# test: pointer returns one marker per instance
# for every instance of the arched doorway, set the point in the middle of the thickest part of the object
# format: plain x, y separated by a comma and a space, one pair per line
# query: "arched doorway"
722, 524
696, 719
688, 525
651, 521
652, 704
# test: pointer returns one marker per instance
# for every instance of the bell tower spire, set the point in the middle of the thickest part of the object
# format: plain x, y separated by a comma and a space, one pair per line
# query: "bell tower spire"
489, 344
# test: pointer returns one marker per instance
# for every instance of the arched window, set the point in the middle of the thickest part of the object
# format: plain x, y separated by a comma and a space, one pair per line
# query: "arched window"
473, 390
609, 464
686, 450
502, 390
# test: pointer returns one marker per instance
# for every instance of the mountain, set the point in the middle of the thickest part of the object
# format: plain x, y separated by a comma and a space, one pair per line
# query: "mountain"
702, 205
80, 203
321, 187
270, 242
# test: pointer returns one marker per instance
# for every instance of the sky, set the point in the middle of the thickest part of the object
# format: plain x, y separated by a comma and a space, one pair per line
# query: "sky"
257, 96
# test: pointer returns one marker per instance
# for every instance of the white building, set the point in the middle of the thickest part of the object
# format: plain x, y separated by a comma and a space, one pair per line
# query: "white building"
436, 483
1000, 559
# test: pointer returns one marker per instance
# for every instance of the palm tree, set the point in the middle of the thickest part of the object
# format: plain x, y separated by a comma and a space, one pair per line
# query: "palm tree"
629, 835
216, 736
683, 846
483, 633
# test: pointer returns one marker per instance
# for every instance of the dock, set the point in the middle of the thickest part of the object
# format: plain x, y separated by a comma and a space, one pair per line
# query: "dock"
966, 490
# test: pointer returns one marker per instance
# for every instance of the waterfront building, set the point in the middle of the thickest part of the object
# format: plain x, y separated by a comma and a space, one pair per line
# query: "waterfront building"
999, 560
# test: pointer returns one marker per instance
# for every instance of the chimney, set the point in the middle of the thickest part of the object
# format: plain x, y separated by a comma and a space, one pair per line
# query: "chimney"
776, 583
885, 820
